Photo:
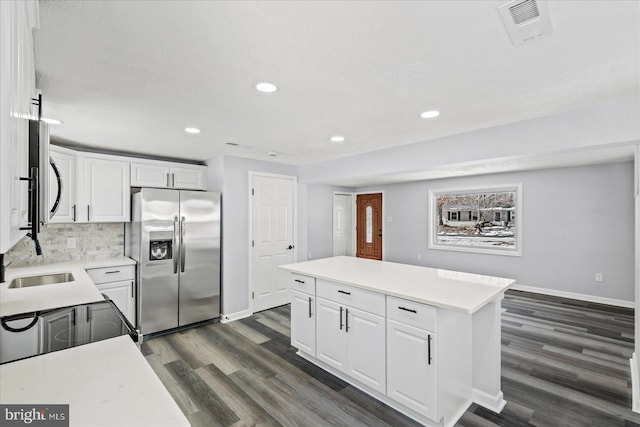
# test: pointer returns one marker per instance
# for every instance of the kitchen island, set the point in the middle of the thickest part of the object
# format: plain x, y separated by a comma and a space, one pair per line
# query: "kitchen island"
424, 341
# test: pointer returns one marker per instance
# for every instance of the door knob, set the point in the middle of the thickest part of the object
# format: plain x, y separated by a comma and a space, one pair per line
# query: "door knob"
290, 247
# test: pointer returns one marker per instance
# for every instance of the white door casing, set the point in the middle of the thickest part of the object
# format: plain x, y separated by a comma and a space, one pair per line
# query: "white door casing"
273, 238
343, 227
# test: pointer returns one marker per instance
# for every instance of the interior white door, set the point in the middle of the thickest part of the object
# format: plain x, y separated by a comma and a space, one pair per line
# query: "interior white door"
343, 224
272, 222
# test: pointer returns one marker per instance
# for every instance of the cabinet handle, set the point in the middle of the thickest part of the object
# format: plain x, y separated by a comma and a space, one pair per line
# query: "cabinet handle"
173, 180
74, 319
309, 307
408, 309
88, 212
88, 315
299, 281
344, 292
429, 350
346, 317
340, 318
112, 272
168, 181
131, 289
74, 212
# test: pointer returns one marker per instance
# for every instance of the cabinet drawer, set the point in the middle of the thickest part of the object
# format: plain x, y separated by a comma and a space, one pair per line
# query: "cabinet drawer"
302, 283
112, 274
371, 302
412, 313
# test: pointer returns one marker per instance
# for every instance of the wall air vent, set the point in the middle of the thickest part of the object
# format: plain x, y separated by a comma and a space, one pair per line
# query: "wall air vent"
526, 20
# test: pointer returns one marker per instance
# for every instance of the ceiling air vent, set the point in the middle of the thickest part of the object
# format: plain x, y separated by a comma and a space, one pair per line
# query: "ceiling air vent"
525, 20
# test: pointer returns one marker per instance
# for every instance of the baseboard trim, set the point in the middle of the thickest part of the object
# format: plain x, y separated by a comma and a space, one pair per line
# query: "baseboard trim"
494, 403
635, 384
572, 295
226, 318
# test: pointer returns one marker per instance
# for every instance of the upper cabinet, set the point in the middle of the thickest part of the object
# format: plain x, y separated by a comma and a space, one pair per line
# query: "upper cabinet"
62, 185
168, 175
17, 87
106, 194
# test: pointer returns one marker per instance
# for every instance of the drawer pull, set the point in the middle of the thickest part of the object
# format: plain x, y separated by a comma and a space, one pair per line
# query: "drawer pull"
429, 350
408, 309
112, 272
344, 292
299, 281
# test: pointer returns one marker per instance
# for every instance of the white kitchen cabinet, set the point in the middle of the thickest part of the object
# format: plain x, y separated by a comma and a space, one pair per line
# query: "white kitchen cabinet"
303, 311
411, 367
118, 283
168, 175
17, 87
105, 190
58, 329
65, 163
349, 338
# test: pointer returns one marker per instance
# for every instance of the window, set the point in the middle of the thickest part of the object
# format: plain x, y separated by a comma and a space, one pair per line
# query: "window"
484, 220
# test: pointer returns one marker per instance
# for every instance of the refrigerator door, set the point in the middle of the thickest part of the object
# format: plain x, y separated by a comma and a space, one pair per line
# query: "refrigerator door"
200, 256
159, 259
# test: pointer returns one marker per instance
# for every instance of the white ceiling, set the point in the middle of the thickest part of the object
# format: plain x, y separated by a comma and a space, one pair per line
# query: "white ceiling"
129, 76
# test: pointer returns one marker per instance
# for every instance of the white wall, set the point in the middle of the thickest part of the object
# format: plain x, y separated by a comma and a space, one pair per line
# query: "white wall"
234, 185
320, 219
577, 221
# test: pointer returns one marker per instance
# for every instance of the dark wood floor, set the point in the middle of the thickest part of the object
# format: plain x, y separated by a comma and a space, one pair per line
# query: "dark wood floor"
564, 363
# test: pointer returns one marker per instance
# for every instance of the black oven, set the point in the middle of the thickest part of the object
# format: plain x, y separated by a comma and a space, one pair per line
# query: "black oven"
40, 332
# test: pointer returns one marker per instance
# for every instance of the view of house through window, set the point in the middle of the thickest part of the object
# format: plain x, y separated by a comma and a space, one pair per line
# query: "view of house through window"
483, 219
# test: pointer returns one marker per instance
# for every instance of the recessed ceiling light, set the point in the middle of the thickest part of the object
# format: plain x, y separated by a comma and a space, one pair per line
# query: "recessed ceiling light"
266, 87
51, 121
337, 138
192, 130
430, 114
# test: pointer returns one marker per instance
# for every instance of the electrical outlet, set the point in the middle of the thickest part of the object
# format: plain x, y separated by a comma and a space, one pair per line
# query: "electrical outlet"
599, 277
71, 243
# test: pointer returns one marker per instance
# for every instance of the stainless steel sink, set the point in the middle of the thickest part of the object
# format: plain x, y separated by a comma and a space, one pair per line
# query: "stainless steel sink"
45, 279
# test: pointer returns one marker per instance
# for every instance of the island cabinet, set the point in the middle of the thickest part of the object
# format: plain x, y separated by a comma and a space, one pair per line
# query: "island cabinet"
412, 355
303, 313
423, 341
351, 332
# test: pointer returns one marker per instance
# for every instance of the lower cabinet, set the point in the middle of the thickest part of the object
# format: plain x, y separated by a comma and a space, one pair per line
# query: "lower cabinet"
303, 322
411, 367
352, 341
118, 283
122, 295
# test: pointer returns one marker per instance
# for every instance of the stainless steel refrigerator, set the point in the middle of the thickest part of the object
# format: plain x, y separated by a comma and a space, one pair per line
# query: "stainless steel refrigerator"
174, 236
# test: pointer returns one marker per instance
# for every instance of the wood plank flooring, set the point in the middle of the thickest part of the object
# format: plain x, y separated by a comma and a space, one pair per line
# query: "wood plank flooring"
564, 363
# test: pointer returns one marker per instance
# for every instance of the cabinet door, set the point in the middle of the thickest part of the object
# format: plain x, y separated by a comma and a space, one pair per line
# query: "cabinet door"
149, 175
102, 323
366, 348
59, 329
106, 190
303, 322
189, 178
331, 340
411, 374
65, 164
122, 295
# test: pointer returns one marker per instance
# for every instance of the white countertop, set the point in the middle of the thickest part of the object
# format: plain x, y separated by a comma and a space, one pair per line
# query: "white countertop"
106, 383
452, 290
82, 290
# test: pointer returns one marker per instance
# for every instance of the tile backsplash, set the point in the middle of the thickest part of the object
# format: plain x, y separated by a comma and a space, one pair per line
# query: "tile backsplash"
93, 240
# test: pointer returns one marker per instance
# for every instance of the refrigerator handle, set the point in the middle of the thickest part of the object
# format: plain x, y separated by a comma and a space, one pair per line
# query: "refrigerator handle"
183, 251
175, 240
